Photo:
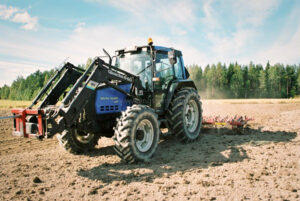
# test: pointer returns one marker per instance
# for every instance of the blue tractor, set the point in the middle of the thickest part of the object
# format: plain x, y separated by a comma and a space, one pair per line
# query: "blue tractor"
132, 98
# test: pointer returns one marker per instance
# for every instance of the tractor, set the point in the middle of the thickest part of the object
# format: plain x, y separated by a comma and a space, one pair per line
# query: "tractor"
133, 97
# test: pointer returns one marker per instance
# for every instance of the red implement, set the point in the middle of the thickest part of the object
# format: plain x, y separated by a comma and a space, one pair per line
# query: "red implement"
21, 122
235, 122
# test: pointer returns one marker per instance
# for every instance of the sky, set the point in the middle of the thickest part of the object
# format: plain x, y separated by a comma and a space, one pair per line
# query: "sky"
41, 35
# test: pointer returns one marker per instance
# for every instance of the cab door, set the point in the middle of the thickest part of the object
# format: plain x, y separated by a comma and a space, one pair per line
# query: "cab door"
165, 74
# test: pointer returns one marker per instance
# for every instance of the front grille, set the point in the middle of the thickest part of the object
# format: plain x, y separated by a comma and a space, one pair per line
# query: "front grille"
109, 108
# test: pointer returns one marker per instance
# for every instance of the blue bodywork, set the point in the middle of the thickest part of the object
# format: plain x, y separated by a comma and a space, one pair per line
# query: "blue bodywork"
109, 100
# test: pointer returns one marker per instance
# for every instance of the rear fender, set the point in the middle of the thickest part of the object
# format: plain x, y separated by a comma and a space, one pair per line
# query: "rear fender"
178, 84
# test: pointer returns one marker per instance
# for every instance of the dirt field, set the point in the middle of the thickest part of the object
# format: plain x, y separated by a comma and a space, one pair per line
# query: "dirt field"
261, 164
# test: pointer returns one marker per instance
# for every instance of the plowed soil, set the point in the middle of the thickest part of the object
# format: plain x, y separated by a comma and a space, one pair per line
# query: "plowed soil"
261, 163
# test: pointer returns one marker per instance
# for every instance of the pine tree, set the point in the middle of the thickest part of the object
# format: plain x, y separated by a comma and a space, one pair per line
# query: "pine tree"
236, 81
262, 84
246, 84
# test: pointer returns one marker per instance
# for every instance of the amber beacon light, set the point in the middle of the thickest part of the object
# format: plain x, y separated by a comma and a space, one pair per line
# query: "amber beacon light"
150, 42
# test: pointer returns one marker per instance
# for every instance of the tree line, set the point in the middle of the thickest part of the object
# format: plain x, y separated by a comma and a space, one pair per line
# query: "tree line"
213, 81
26, 88
247, 81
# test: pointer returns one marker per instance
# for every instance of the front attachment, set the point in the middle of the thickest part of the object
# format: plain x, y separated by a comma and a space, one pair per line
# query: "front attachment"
28, 122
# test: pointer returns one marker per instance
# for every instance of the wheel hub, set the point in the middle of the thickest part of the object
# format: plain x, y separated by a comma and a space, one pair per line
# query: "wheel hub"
191, 115
140, 135
144, 135
83, 138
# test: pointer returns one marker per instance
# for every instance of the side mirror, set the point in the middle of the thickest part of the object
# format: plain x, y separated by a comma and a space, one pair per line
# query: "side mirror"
172, 57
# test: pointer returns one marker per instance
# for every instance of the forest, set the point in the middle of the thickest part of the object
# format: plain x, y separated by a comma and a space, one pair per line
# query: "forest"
246, 81
213, 82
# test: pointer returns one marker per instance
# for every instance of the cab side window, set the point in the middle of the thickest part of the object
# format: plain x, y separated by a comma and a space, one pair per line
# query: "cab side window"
178, 68
163, 67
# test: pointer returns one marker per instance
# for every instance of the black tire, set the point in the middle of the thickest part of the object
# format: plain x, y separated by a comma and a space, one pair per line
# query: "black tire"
76, 144
128, 134
176, 115
79, 138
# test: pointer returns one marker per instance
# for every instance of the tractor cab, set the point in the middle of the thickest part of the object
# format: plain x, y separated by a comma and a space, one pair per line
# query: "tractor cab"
156, 66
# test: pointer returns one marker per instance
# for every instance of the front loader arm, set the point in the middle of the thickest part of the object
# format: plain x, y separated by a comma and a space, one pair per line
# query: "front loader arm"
98, 74
66, 75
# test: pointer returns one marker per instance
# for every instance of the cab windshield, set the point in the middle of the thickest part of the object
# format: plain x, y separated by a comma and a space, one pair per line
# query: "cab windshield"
137, 63
134, 62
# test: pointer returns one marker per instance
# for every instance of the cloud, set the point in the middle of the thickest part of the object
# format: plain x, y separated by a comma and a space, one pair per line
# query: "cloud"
79, 26
242, 13
7, 12
178, 31
26, 48
18, 16
253, 12
11, 70
181, 13
282, 51
210, 18
24, 18
231, 42
230, 48
88, 41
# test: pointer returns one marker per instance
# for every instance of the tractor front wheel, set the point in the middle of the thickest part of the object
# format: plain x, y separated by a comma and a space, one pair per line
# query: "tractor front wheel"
136, 134
77, 142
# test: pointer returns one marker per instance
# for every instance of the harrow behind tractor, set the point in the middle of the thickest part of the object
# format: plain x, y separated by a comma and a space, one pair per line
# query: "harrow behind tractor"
146, 90
236, 122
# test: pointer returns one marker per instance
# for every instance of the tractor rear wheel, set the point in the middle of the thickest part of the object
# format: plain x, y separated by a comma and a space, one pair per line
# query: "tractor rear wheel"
185, 115
76, 142
136, 134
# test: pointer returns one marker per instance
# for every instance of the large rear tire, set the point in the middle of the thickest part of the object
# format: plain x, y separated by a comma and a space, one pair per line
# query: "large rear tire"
136, 134
185, 115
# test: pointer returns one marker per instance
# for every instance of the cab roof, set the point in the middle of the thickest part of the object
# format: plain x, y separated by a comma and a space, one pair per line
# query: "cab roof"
156, 48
